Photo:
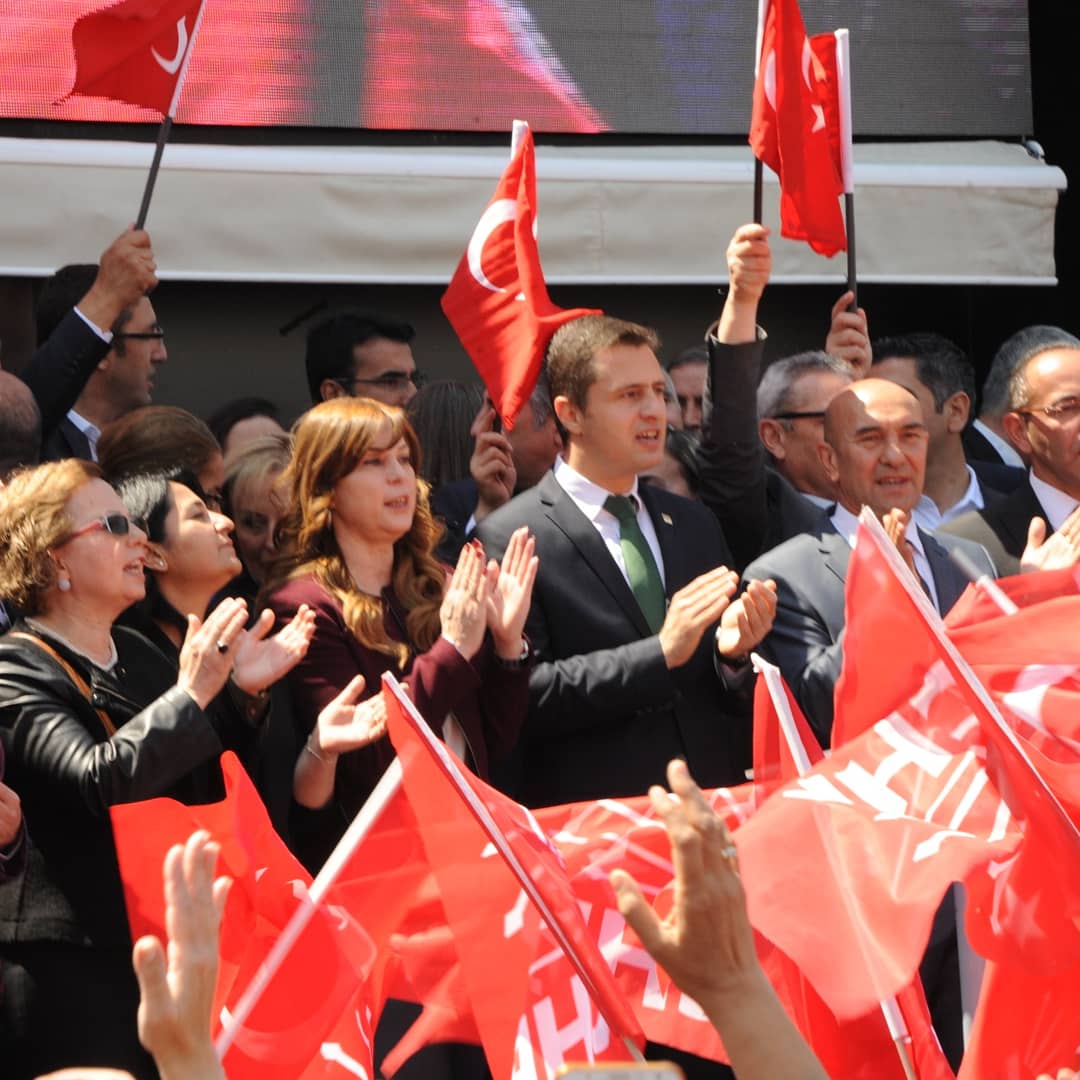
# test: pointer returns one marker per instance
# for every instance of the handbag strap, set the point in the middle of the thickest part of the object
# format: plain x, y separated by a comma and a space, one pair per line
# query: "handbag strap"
80, 683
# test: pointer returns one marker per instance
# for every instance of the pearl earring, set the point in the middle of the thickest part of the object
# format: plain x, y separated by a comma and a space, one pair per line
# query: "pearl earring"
64, 584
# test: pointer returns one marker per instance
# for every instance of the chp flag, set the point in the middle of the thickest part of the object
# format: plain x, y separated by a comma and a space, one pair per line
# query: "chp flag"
497, 301
136, 51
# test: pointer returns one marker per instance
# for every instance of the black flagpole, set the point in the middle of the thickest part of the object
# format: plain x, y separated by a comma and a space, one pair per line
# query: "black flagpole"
849, 221
148, 191
759, 182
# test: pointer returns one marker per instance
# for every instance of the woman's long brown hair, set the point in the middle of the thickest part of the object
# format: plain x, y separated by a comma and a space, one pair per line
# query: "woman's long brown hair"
329, 441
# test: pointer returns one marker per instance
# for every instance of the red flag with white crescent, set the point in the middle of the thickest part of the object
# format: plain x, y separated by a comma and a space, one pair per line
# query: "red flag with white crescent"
136, 51
497, 301
790, 131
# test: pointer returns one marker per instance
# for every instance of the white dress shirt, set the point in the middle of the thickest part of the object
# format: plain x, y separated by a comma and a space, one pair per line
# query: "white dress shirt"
590, 498
1006, 451
847, 525
1055, 502
929, 517
89, 429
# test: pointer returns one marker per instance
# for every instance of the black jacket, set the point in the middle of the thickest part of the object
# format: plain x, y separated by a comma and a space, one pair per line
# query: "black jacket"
68, 772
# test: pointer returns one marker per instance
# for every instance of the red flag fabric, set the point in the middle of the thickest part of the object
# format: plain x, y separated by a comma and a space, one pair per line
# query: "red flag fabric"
1026, 904
531, 1016
490, 52
845, 867
789, 131
864, 1046
318, 1012
135, 51
497, 301
1025, 1025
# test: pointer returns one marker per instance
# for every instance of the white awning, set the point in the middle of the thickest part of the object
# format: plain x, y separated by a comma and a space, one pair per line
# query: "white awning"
926, 213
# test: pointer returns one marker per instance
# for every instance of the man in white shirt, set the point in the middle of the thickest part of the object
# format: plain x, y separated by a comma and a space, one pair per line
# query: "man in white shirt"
631, 620
940, 375
1043, 422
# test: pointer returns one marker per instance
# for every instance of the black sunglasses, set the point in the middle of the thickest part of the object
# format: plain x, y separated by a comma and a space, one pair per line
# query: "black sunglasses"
115, 524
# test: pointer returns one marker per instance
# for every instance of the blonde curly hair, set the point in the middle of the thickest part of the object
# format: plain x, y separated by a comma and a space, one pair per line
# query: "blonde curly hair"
33, 520
329, 442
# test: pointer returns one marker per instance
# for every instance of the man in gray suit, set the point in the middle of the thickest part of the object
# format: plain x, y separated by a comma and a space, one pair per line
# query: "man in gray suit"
875, 452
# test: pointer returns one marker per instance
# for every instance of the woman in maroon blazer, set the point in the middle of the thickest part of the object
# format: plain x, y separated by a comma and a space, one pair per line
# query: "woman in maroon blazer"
357, 547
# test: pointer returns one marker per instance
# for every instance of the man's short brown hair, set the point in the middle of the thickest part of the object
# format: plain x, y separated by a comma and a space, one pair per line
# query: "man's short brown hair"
570, 355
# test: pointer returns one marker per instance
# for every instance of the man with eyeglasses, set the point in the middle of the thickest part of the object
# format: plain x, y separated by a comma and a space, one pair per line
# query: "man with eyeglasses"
791, 401
1043, 423
102, 342
362, 354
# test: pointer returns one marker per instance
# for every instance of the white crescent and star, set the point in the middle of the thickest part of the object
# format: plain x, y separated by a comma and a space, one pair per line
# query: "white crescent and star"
173, 65
807, 65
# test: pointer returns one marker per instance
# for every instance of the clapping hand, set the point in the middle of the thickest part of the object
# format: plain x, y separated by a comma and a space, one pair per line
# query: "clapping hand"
1058, 551
348, 723
463, 614
511, 593
746, 621
260, 661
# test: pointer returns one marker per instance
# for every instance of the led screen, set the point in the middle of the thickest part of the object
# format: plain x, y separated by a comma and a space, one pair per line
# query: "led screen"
681, 67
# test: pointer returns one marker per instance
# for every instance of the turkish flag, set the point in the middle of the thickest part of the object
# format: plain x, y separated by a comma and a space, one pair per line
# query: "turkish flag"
497, 301
489, 51
135, 51
532, 1015
789, 131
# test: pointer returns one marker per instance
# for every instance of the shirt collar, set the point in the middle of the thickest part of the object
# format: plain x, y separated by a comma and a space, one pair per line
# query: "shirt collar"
589, 497
1054, 501
1006, 451
847, 525
930, 516
88, 428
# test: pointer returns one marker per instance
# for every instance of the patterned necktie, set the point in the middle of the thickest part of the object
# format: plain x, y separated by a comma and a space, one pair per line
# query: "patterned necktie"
641, 569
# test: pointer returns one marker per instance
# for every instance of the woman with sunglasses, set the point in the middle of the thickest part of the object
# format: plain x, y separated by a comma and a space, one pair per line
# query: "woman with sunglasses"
90, 716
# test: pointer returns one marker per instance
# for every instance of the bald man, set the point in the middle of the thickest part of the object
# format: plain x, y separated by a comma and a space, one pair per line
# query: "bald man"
875, 454
1043, 423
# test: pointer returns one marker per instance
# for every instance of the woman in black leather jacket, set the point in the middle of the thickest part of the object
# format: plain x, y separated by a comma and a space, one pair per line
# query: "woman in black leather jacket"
91, 715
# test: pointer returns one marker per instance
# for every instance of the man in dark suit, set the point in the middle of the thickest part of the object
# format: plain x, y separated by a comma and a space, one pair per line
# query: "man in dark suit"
985, 439
940, 375
99, 344
629, 592
1043, 422
791, 401
875, 451
503, 464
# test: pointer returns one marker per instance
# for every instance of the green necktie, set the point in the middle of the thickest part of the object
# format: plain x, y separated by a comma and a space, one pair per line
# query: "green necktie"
641, 569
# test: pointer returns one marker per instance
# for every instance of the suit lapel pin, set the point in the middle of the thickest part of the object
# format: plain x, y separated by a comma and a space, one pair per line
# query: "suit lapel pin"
666, 518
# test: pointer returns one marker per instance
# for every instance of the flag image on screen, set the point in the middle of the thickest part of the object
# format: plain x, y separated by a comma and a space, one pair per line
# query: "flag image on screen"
683, 67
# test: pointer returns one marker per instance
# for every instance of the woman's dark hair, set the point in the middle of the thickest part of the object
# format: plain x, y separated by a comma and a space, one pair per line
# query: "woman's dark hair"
441, 414
683, 449
147, 499
225, 417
